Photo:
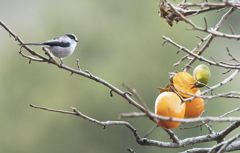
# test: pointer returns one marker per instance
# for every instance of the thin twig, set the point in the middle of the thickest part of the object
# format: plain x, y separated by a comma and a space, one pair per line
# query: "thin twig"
138, 97
30, 57
78, 65
233, 58
231, 28
237, 109
130, 150
150, 131
131, 115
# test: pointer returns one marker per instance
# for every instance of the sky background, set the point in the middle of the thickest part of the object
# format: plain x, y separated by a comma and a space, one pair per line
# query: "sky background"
120, 42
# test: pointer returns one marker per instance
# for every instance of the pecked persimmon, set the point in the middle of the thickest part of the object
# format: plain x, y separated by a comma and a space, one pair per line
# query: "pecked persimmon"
195, 107
168, 104
184, 82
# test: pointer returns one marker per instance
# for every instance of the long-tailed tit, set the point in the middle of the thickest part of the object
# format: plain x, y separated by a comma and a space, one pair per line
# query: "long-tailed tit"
59, 47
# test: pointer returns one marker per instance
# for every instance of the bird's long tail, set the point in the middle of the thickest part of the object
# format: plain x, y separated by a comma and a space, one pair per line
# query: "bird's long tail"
32, 44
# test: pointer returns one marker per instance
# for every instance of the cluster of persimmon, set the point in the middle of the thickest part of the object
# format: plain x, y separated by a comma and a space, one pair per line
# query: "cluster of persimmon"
169, 104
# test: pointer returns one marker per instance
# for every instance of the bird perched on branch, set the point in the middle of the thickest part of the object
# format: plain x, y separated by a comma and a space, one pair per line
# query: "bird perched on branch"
201, 74
59, 47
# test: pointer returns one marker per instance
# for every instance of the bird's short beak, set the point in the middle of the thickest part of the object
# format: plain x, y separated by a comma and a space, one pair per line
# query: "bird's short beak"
76, 40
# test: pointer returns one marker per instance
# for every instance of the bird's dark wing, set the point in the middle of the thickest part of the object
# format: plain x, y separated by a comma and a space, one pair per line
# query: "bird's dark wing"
57, 43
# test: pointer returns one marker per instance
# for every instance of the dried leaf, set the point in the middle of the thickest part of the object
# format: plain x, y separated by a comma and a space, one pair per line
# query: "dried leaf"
166, 89
170, 15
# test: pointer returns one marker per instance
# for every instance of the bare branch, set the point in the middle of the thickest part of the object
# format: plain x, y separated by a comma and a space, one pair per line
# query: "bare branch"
188, 141
190, 120
144, 141
198, 56
225, 144
227, 71
30, 57
17, 38
233, 58
53, 110
213, 5
231, 29
200, 125
131, 115
237, 109
173, 137
104, 124
182, 59
211, 36
150, 131
206, 27
232, 147
205, 123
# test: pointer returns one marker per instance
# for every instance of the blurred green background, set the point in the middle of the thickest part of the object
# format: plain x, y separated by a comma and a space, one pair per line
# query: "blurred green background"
120, 42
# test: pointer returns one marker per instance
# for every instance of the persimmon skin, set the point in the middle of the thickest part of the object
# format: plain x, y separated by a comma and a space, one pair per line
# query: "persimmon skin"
168, 104
182, 81
195, 107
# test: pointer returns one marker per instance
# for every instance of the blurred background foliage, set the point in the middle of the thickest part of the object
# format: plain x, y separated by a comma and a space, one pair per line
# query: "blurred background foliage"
120, 42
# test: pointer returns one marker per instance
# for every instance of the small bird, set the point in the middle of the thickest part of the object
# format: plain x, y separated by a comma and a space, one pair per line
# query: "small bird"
59, 47
201, 74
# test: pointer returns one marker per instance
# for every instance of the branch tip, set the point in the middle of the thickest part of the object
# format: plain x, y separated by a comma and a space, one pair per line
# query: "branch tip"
206, 27
164, 42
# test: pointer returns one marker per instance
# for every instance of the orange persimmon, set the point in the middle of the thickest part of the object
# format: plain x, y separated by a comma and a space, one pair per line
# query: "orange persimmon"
168, 104
183, 81
195, 107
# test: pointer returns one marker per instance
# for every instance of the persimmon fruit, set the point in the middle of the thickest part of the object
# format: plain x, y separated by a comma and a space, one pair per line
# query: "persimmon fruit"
168, 104
195, 107
184, 81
